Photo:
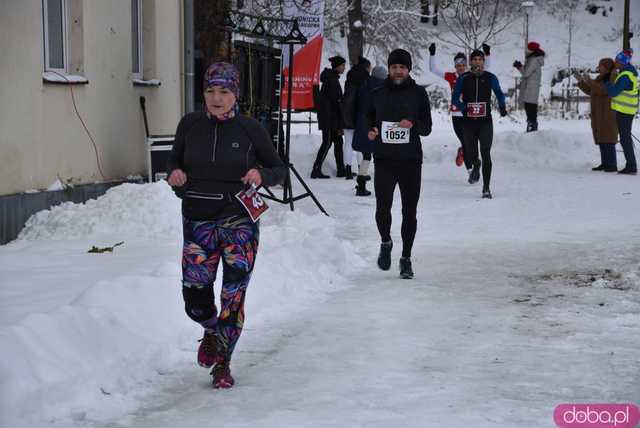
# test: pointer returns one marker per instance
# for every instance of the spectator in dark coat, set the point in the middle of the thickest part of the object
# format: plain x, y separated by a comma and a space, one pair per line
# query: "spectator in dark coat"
356, 78
330, 117
603, 118
361, 142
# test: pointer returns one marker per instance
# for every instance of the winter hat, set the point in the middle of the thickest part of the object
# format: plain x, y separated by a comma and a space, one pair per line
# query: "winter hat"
379, 72
623, 58
607, 63
223, 74
460, 58
533, 46
337, 61
400, 56
475, 53
363, 61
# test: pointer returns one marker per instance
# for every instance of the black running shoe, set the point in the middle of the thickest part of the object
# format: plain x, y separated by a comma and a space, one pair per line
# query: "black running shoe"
474, 175
405, 268
384, 258
486, 194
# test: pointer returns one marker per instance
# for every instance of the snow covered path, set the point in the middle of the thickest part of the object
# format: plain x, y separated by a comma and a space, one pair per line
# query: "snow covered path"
502, 323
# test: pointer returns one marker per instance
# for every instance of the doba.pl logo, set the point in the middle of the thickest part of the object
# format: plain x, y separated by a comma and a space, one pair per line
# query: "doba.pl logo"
596, 416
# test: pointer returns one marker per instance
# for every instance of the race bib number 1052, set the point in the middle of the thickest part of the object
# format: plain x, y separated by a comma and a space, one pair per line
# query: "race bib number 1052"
392, 133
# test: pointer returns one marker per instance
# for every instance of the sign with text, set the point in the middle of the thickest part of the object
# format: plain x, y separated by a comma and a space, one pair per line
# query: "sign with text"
306, 58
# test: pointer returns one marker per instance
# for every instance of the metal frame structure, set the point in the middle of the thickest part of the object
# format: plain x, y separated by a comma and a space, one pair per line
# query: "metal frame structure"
285, 32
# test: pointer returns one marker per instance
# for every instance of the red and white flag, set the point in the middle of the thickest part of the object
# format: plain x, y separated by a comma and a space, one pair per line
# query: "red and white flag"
306, 58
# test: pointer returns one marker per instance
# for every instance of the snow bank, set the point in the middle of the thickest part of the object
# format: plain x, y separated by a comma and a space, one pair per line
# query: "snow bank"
559, 145
148, 210
119, 336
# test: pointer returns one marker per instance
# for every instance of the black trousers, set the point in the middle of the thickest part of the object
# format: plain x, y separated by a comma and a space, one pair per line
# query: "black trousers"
458, 128
532, 112
407, 175
479, 132
330, 137
624, 129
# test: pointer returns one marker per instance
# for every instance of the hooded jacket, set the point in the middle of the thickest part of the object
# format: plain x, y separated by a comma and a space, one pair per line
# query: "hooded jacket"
330, 108
531, 77
356, 78
603, 118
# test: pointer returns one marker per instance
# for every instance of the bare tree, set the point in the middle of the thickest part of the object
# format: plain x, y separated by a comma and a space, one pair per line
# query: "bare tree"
473, 22
375, 27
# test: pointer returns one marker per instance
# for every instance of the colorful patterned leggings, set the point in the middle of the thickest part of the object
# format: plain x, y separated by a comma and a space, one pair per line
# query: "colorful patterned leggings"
235, 240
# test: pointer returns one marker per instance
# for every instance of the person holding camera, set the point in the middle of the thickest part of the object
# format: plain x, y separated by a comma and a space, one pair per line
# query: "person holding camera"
475, 88
216, 155
531, 73
603, 117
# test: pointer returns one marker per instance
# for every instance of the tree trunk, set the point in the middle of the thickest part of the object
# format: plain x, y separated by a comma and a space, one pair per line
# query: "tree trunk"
211, 39
625, 31
355, 36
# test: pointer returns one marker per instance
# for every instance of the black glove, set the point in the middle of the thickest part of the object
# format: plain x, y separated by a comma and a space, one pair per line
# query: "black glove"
503, 111
486, 49
432, 49
517, 64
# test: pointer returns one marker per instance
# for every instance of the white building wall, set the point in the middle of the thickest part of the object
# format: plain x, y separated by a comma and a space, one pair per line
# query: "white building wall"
41, 138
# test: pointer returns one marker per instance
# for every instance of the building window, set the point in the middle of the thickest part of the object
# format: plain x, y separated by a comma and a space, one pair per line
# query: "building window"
136, 38
55, 35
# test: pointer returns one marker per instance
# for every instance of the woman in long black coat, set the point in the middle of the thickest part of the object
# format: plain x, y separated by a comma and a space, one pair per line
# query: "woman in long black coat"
330, 119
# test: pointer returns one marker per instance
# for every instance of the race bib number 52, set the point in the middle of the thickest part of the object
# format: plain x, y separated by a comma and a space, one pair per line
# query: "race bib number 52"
252, 202
476, 109
392, 133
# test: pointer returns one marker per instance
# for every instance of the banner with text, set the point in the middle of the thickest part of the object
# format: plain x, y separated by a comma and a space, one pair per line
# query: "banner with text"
306, 58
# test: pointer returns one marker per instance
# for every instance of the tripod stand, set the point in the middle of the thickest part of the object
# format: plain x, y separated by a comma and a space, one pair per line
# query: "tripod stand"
285, 32
284, 146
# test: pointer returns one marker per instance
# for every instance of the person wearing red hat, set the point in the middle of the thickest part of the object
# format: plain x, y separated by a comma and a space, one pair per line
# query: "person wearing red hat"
530, 85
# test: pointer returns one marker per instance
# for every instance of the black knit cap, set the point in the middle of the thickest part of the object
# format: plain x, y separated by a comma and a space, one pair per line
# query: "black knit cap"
400, 56
337, 61
475, 53
363, 61
460, 55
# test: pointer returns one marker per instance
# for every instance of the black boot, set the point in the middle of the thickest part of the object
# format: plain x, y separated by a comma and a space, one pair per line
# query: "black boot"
534, 126
361, 188
316, 172
598, 168
348, 175
628, 170
384, 258
529, 126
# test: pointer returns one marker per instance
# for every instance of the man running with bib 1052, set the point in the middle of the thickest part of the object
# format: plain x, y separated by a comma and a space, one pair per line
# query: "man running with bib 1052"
398, 115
